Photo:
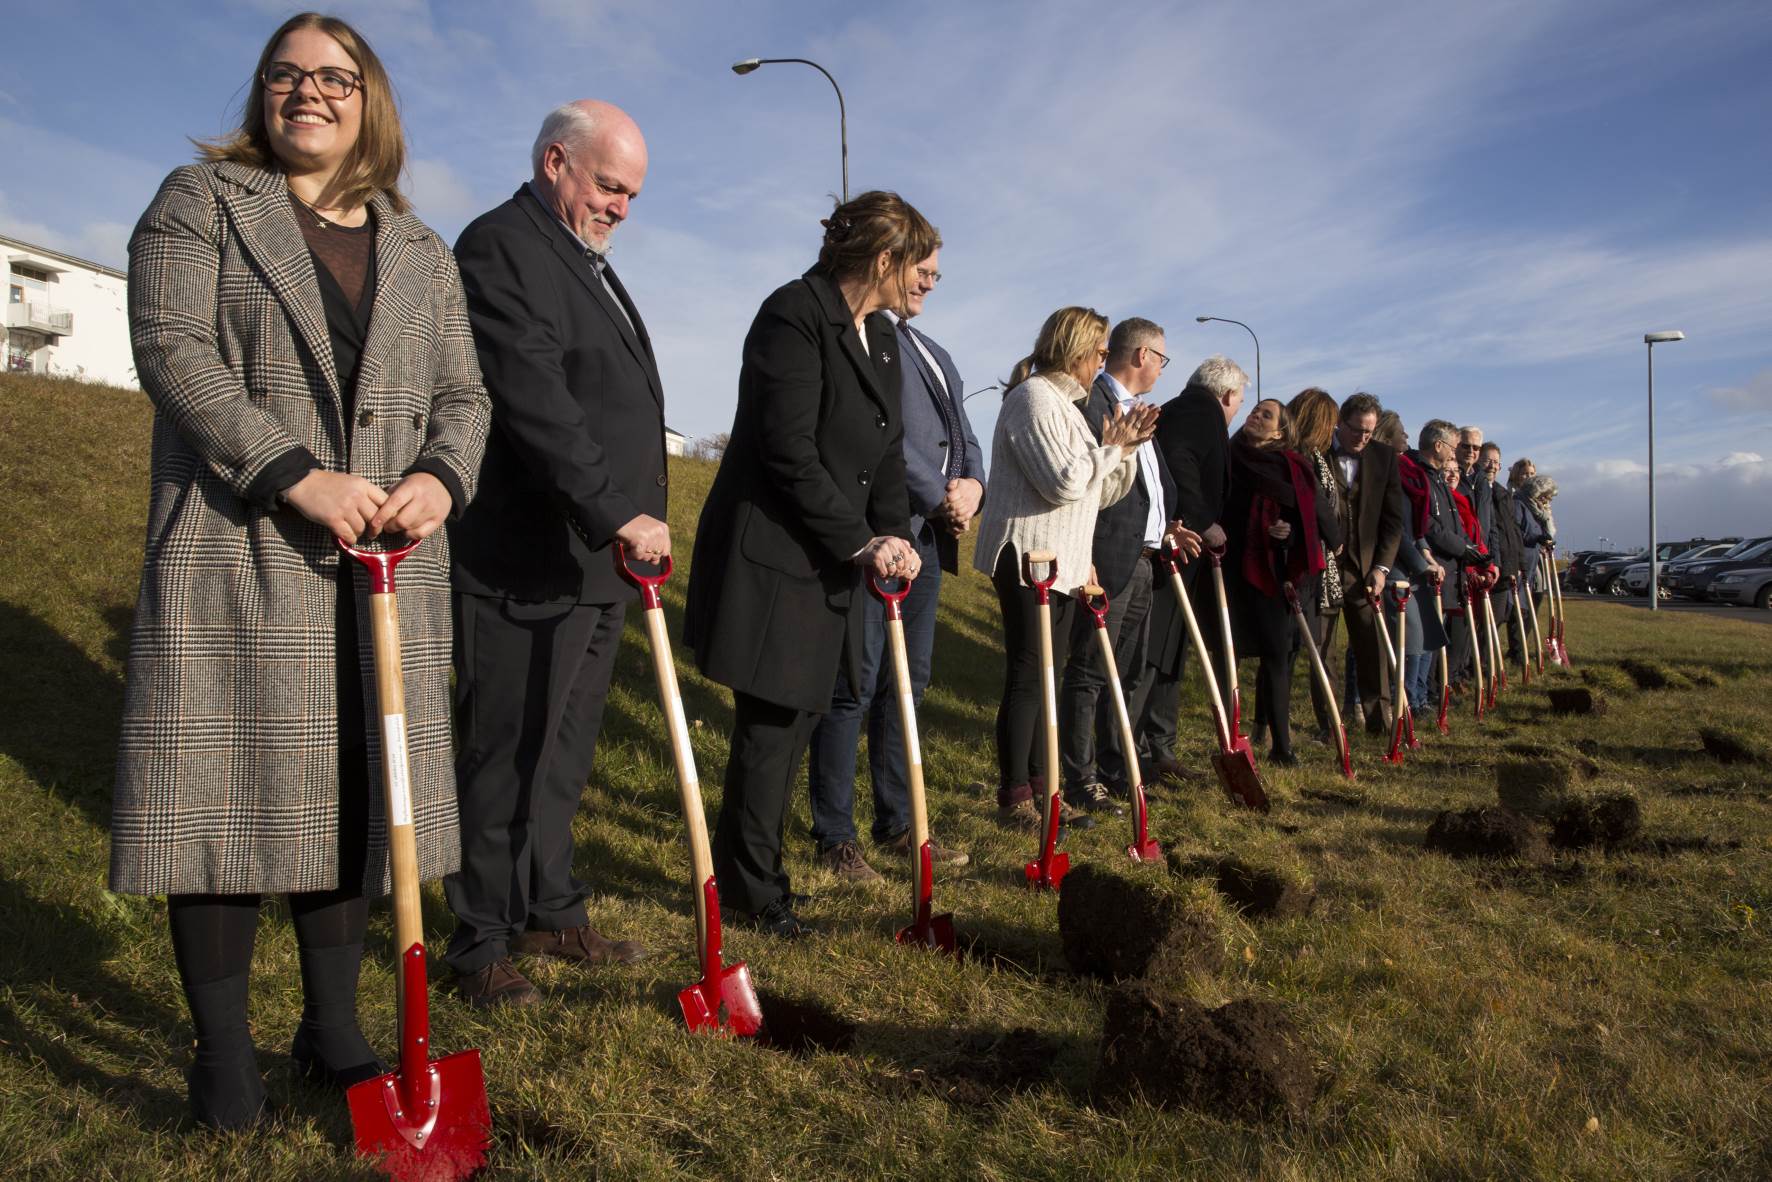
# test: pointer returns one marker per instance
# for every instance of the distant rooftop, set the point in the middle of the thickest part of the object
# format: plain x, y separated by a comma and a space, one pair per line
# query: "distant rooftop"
61, 256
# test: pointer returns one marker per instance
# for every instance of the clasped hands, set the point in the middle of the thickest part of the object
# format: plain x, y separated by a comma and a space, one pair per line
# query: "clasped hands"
352, 507
959, 506
889, 558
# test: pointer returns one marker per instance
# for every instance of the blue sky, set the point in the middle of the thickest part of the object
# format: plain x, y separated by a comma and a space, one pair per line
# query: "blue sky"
1472, 210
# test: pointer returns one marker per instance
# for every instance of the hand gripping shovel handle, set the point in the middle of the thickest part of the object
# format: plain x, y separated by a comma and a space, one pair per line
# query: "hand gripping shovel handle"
1050, 867
1142, 849
425, 1119
1234, 762
926, 929
723, 1000
1322, 675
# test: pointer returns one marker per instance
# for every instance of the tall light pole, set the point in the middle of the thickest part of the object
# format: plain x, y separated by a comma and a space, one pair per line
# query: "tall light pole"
1252, 336
1652, 339
751, 63
977, 392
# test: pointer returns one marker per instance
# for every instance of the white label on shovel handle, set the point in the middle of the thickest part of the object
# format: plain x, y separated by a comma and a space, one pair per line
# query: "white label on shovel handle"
393, 757
907, 711
1051, 696
680, 735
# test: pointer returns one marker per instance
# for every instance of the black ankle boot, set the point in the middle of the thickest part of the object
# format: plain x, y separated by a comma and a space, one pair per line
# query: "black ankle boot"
226, 1089
329, 1048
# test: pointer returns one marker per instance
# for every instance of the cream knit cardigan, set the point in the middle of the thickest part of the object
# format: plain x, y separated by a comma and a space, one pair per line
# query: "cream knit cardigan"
1049, 478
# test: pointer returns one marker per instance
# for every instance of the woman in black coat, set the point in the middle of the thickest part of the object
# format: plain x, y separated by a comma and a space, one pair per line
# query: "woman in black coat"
1277, 527
809, 496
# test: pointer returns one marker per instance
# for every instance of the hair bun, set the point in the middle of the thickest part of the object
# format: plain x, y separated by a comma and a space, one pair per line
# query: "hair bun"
835, 229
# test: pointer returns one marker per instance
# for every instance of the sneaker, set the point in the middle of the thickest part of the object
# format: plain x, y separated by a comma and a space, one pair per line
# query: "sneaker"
939, 855
1094, 797
1022, 816
845, 861
1071, 818
498, 984
778, 919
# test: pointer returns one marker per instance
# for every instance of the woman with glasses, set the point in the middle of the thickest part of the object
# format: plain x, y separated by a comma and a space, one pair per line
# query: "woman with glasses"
1049, 477
305, 344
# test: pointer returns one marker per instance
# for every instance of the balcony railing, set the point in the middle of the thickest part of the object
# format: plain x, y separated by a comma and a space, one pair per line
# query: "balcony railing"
39, 318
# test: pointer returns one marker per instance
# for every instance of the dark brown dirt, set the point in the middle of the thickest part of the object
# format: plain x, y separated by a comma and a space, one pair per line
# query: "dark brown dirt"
1646, 674
1607, 820
1486, 833
802, 1027
1261, 892
1728, 747
1243, 1060
1576, 700
1534, 778
1124, 924
1664, 847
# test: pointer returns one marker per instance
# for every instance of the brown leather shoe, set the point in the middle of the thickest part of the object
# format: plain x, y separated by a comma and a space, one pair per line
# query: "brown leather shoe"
939, 855
1167, 767
581, 945
845, 861
498, 984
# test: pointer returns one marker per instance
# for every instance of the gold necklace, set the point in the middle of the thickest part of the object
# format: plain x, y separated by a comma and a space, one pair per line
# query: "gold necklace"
319, 220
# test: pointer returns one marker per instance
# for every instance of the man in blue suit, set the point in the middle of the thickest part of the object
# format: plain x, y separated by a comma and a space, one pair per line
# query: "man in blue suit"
944, 472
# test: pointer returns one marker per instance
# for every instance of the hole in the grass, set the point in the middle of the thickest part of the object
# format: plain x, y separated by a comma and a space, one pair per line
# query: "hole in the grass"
802, 1027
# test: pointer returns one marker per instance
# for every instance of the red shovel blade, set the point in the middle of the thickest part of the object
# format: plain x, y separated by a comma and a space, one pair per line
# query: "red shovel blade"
1239, 777
1142, 849
723, 1001
1445, 705
1048, 872
425, 1121
1347, 757
934, 932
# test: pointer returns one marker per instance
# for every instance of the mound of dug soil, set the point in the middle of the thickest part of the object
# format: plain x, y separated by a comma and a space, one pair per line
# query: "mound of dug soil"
1647, 674
803, 1027
1609, 820
1728, 746
1533, 779
1486, 833
1260, 892
1124, 924
1243, 1060
1576, 700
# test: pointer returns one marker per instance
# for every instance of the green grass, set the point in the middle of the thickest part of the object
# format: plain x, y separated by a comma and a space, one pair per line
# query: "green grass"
1466, 1020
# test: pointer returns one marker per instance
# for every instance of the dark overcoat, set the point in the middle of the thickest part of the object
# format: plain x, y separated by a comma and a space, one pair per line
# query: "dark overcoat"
227, 765
814, 469
1195, 443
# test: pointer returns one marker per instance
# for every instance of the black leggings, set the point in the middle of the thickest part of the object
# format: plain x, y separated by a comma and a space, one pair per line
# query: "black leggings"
1021, 746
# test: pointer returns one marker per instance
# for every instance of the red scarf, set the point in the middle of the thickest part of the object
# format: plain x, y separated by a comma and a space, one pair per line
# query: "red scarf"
1416, 488
1467, 517
1301, 559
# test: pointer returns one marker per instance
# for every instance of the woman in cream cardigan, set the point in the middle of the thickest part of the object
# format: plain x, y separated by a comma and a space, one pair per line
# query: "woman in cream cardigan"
1049, 478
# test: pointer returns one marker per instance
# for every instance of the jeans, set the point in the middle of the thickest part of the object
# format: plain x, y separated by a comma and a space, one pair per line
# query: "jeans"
1090, 727
831, 768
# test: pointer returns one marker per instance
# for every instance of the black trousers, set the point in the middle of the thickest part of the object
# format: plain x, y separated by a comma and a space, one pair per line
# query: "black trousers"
1021, 741
531, 680
768, 742
1089, 734
1267, 628
1321, 625
1156, 702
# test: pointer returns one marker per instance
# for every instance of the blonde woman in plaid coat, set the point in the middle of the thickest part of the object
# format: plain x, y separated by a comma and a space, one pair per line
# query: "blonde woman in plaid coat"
305, 343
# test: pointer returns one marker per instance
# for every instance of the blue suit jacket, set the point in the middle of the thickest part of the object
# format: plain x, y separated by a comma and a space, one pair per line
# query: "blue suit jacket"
926, 436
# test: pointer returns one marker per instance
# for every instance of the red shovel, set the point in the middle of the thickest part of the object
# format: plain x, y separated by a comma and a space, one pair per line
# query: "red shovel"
1142, 849
1233, 695
1519, 613
1233, 761
1497, 672
1537, 636
925, 930
1445, 661
723, 1001
424, 1120
1399, 695
1322, 675
1467, 591
1047, 871
1559, 642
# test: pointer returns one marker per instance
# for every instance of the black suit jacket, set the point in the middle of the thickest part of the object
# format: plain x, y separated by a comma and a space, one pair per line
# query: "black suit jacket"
1194, 440
1119, 528
814, 468
577, 443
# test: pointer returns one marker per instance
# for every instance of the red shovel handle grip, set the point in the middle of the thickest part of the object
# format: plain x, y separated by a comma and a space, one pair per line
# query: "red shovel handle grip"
381, 564
892, 599
1095, 599
1216, 554
1029, 561
648, 584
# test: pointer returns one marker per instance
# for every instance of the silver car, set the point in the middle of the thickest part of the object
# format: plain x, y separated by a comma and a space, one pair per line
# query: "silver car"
1743, 587
1635, 579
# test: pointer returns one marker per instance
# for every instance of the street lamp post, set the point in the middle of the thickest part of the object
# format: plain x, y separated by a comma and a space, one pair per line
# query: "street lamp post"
751, 63
1252, 336
1650, 340
977, 392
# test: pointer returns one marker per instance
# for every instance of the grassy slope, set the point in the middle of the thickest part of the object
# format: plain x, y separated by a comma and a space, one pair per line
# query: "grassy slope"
1466, 1020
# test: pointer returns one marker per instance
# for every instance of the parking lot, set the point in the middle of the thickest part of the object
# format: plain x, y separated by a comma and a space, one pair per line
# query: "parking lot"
1641, 603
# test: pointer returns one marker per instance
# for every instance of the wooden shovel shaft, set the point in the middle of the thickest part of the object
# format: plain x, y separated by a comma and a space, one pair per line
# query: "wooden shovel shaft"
390, 694
1049, 708
913, 753
1537, 636
695, 820
1474, 625
1224, 629
1322, 675
1493, 639
1445, 661
1134, 777
1220, 720
1520, 627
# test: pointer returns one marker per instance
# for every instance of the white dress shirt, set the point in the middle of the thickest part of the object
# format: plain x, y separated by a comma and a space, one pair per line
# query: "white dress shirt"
1147, 468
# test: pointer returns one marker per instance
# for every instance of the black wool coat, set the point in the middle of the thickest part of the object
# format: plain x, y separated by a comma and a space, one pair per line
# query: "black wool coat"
1195, 444
814, 468
577, 443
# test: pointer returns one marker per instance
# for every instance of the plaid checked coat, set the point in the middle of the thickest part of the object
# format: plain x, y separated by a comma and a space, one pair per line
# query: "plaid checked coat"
227, 777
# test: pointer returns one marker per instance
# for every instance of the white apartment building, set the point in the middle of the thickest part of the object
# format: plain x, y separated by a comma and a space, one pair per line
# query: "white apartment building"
65, 316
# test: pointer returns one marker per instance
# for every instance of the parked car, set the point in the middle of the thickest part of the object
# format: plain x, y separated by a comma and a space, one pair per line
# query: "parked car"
1602, 571
1693, 581
1635, 579
1753, 585
1575, 575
